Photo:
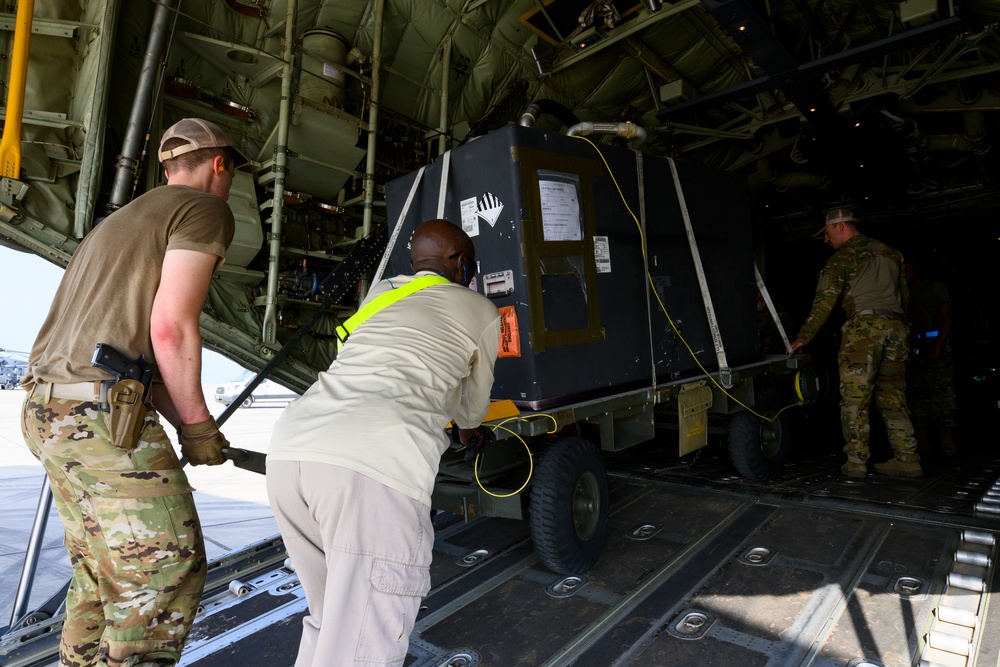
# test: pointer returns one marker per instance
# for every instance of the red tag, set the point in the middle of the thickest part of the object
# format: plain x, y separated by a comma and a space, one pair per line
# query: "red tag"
510, 335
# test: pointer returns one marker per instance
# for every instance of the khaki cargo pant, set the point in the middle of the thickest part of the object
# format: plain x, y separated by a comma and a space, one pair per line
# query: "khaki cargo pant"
872, 359
362, 552
132, 533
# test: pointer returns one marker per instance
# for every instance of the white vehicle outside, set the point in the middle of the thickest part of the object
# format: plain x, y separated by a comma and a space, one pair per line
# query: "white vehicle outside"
266, 392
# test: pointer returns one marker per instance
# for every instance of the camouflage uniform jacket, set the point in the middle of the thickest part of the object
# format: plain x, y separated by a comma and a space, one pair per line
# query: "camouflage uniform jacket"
868, 274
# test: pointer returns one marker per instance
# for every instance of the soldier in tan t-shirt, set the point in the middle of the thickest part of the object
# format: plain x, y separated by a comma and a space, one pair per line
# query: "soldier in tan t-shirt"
137, 283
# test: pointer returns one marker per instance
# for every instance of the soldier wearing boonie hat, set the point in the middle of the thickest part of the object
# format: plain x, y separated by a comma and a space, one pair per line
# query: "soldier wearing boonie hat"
868, 276
136, 283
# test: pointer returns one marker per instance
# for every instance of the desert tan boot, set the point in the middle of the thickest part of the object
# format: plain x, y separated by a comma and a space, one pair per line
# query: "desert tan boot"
854, 467
897, 468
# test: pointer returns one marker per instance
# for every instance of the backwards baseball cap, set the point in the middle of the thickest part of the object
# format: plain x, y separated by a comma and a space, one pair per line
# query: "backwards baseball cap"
834, 216
198, 133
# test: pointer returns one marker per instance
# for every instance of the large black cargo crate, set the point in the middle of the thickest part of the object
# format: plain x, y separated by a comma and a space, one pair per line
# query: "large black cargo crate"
560, 254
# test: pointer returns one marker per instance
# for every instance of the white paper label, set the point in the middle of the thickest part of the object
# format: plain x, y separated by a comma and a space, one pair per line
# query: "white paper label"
470, 216
560, 211
332, 72
602, 254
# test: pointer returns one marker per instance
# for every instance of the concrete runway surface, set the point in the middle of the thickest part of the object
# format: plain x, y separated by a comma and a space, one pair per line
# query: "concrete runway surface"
232, 503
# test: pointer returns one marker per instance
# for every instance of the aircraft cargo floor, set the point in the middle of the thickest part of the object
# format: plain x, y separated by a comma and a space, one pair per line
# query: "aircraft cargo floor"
700, 567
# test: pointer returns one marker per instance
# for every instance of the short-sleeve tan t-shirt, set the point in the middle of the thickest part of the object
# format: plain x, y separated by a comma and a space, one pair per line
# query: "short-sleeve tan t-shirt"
107, 292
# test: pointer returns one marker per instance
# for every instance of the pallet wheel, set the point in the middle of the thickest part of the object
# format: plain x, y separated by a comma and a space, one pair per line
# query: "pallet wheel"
758, 447
569, 506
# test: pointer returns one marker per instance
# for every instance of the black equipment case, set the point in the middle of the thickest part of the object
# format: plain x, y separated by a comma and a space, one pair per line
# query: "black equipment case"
561, 256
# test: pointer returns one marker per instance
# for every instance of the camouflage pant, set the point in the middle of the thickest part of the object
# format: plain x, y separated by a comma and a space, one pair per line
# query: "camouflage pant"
930, 389
132, 533
872, 358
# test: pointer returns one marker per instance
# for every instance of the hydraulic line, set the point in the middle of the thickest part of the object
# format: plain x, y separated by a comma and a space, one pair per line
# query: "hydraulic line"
138, 121
269, 328
373, 102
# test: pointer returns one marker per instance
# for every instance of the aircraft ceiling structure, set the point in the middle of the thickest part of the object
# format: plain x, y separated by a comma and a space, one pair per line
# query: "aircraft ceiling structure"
882, 105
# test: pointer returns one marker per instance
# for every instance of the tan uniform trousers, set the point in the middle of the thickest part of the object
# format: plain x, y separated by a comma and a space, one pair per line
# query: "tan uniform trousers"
362, 552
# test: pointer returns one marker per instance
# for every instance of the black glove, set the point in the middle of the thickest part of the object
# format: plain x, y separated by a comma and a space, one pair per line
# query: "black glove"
481, 437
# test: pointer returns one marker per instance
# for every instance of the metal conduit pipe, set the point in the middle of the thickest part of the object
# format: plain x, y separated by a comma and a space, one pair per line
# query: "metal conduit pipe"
638, 50
31, 555
948, 142
974, 125
969, 91
973, 138
847, 75
445, 71
636, 134
369, 189
768, 102
269, 327
789, 179
138, 120
536, 109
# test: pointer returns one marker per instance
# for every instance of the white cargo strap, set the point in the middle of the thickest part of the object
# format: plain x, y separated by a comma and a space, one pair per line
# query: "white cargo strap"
771, 309
443, 189
399, 225
725, 373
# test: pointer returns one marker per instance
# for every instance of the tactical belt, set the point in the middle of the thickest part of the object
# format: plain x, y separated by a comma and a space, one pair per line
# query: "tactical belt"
96, 391
879, 312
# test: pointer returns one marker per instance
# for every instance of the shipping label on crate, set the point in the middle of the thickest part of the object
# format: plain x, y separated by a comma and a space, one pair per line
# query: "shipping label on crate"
470, 216
602, 254
510, 335
560, 200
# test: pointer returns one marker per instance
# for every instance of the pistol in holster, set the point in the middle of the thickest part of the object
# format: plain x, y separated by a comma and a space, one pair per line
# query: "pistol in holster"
123, 400
126, 413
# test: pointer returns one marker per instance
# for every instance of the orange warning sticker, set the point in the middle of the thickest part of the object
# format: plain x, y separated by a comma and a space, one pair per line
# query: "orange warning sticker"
510, 336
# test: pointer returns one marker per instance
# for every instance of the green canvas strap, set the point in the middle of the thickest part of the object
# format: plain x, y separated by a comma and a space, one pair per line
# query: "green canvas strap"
383, 301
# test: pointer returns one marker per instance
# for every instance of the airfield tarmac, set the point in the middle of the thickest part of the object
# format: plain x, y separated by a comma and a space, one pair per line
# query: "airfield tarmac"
232, 502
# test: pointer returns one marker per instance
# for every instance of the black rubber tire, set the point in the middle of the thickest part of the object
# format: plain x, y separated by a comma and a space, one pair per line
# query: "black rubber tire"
569, 506
247, 402
758, 448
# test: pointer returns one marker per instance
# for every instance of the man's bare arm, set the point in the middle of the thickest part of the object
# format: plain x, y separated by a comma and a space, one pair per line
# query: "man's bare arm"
184, 282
